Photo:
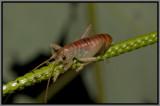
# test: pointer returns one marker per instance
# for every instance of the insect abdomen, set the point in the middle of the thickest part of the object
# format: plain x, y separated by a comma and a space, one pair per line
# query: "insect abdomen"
88, 47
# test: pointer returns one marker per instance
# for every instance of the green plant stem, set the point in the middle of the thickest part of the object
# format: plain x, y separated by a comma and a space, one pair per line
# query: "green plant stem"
44, 73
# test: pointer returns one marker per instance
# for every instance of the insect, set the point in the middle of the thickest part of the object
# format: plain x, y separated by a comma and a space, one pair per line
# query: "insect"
83, 50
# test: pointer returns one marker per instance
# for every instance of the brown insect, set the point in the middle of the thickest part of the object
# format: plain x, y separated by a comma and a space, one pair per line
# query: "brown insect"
83, 50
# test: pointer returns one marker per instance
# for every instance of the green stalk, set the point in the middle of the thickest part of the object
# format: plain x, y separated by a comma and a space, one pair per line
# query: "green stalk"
44, 73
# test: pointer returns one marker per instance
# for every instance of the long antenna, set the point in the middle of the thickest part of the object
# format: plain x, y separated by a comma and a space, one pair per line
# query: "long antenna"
46, 93
46, 61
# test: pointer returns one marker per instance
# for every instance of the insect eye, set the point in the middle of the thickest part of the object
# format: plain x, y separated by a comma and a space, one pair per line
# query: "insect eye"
64, 57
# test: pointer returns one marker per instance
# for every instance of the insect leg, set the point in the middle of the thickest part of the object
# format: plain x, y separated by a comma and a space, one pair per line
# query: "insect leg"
68, 65
56, 74
55, 47
85, 62
87, 59
87, 31
79, 68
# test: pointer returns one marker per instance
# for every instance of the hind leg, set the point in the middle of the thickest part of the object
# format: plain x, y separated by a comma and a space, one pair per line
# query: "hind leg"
87, 31
87, 59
